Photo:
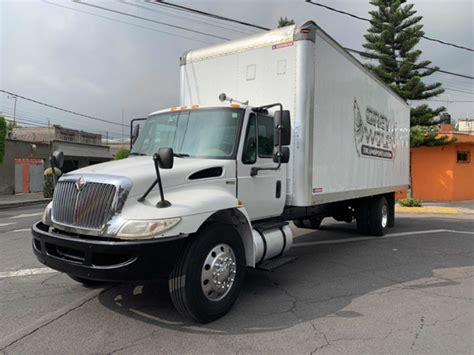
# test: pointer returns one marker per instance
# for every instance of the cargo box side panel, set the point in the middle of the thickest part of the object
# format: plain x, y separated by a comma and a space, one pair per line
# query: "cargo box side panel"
261, 75
361, 130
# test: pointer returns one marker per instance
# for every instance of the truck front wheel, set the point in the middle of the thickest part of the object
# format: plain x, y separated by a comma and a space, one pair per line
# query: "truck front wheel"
208, 276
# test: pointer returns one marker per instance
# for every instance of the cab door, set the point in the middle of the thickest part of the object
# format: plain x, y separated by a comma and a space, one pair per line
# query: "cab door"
262, 195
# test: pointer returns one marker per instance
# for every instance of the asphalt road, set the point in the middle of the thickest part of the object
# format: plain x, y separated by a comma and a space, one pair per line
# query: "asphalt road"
408, 292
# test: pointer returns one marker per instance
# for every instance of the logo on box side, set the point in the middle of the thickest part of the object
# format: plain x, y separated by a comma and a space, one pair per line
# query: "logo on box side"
374, 134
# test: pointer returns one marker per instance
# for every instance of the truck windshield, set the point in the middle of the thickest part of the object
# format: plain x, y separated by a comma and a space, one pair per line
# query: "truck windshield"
203, 133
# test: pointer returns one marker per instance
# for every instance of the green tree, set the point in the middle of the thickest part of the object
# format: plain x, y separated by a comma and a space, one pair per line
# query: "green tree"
11, 125
284, 21
3, 134
391, 41
122, 154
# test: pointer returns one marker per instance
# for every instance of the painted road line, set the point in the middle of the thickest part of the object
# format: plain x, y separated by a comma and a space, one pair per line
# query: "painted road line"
27, 215
7, 224
387, 236
21, 230
26, 272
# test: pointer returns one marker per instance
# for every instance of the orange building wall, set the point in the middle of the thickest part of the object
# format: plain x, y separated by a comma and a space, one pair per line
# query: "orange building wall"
438, 176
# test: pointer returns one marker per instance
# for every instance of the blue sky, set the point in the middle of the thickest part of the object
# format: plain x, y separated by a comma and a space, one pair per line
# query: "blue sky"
98, 63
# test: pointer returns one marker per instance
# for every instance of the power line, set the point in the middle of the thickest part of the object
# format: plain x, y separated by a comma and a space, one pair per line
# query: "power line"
368, 20
125, 22
29, 120
425, 67
29, 124
148, 19
208, 14
33, 117
171, 13
62, 109
457, 83
451, 101
466, 92
223, 18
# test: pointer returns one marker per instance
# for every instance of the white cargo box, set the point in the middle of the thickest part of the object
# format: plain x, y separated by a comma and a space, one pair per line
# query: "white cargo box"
350, 130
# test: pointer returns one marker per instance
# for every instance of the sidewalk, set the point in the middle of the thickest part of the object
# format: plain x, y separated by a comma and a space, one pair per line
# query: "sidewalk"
20, 200
442, 207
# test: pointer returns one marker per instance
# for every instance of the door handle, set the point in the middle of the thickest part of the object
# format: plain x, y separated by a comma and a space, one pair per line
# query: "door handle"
278, 189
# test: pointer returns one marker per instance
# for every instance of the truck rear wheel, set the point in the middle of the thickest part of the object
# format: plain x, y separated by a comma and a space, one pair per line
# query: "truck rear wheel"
378, 216
209, 274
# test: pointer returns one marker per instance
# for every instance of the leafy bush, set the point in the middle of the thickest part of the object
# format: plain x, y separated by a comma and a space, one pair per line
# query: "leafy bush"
409, 202
122, 154
48, 183
49, 171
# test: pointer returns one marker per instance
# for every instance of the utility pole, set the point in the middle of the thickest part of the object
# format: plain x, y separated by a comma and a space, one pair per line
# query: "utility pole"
123, 136
14, 98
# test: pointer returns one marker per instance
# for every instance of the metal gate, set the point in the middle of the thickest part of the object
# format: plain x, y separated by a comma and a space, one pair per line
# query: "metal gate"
28, 175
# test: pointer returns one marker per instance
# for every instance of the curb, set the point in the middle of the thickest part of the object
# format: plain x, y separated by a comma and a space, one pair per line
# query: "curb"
428, 209
4, 206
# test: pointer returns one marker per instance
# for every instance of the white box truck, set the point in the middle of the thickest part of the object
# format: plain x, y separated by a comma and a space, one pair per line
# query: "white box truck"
277, 127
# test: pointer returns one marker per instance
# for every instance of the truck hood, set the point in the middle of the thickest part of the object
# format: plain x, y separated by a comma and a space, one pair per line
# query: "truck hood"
141, 171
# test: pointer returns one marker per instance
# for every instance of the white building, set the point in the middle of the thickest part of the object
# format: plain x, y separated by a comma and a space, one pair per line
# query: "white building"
466, 125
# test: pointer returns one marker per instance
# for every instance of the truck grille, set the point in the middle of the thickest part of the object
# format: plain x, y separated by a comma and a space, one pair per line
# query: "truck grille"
89, 208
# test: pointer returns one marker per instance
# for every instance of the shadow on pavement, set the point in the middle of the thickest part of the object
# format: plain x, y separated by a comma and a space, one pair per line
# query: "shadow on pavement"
320, 283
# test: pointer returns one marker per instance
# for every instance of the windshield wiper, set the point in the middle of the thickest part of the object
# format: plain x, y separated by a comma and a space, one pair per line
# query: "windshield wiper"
137, 153
181, 155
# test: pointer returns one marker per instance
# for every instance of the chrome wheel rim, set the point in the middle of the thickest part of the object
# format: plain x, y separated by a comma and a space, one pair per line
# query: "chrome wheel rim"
218, 272
384, 216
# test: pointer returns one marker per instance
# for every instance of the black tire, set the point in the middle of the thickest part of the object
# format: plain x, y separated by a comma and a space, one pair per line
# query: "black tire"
87, 282
315, 222
362, 216
185, 285
299, 223
378, 216
311, 223
391, 210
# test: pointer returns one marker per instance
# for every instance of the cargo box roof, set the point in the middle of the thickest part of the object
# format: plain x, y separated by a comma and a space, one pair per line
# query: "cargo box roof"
274, 37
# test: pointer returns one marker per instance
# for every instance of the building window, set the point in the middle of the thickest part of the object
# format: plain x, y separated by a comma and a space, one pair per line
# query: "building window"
463, 157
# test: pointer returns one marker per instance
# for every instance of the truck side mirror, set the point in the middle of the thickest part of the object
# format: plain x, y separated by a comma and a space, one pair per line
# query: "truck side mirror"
135, 133
58, 159
282, 122
284, 155
165, 158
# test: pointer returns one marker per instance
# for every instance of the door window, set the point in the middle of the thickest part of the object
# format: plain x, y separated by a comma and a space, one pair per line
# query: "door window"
265, 136
249, 155
261, 143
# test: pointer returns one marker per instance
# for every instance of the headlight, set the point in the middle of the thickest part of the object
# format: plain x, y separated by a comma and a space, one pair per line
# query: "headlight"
146, 229
46, 216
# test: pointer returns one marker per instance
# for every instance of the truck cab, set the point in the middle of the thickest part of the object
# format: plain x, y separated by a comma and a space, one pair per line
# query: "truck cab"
224, 144
222, 170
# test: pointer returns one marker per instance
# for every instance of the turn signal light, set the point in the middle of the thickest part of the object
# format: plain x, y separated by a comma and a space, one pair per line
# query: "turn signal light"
235, 105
